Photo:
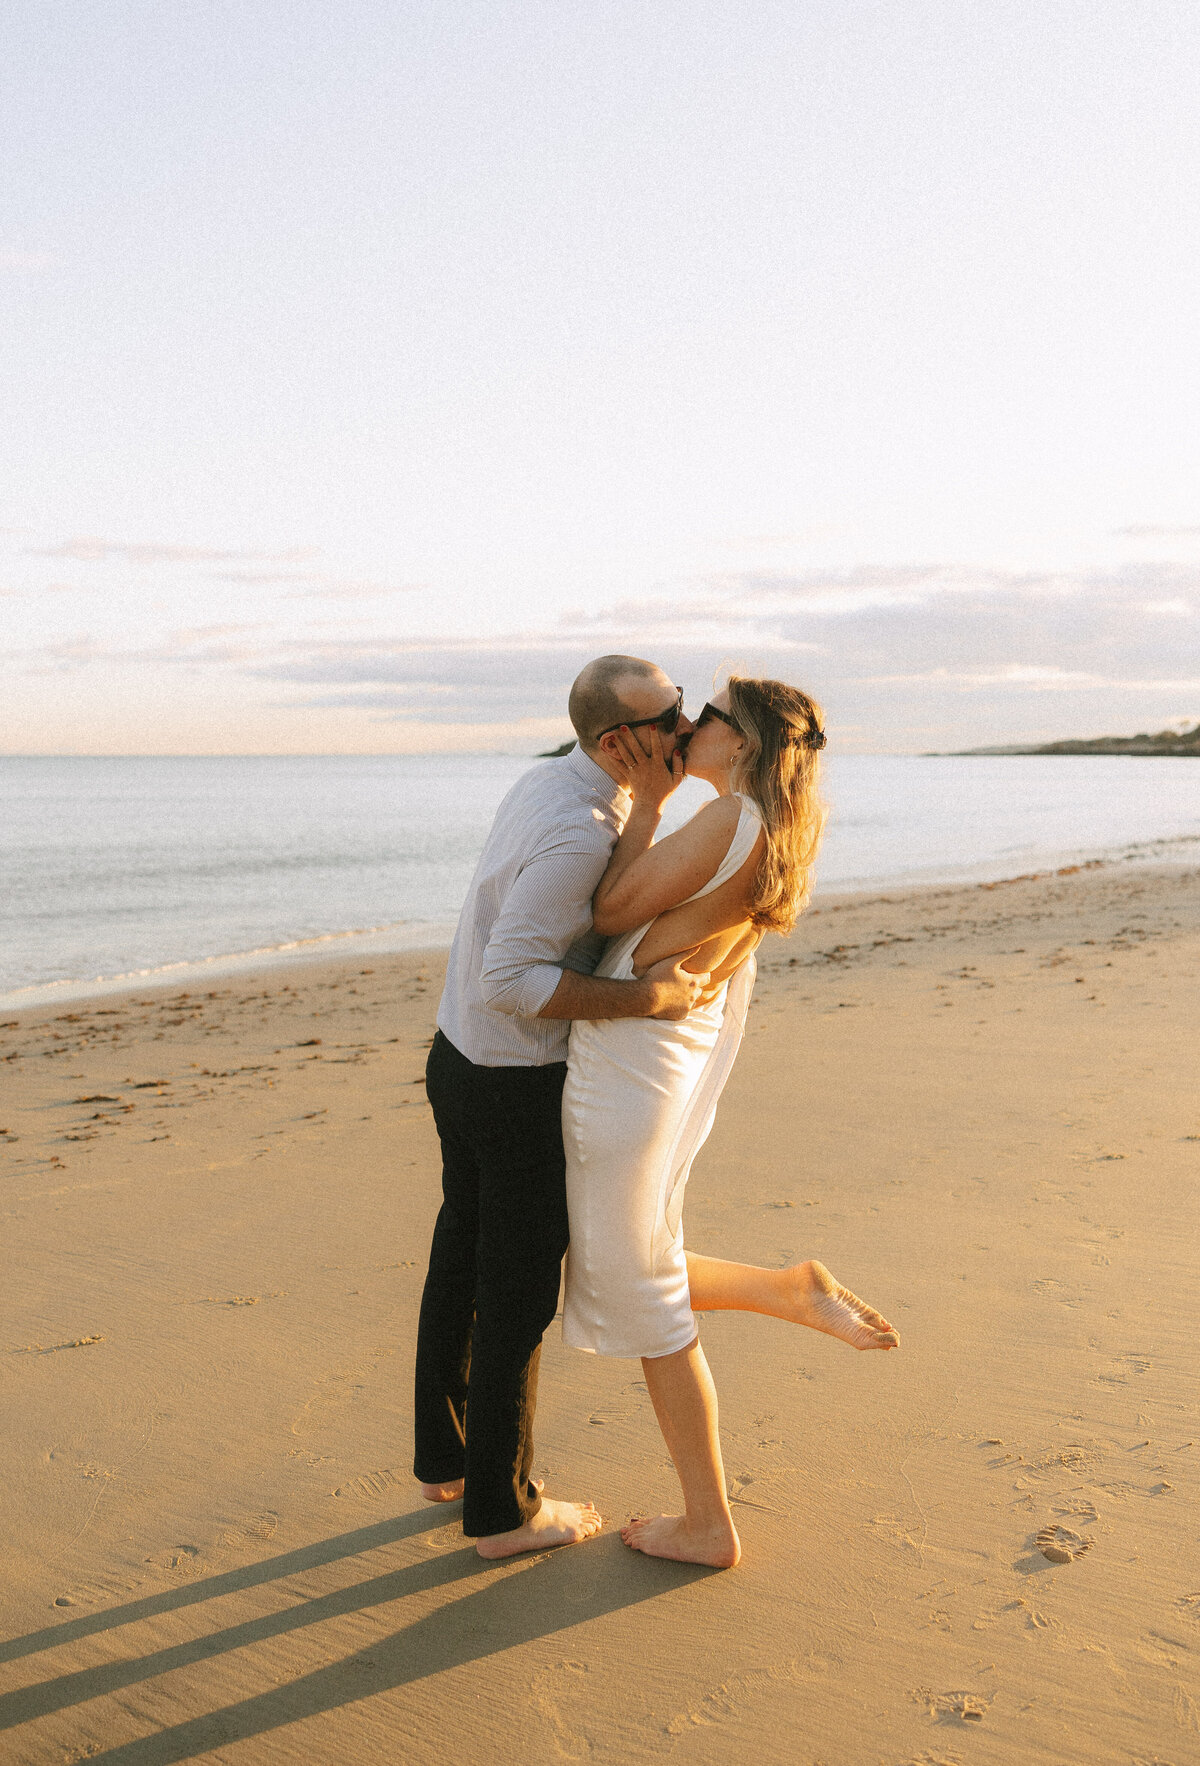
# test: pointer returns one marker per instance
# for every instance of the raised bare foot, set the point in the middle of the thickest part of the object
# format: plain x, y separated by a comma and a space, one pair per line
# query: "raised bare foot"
452, 1492
816, 1300
669, 1536
556, 1523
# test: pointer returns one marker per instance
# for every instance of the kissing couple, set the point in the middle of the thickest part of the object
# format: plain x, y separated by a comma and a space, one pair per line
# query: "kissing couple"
595, 999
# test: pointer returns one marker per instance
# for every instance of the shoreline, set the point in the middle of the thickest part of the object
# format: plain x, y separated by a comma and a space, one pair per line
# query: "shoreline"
435, 936
423, 935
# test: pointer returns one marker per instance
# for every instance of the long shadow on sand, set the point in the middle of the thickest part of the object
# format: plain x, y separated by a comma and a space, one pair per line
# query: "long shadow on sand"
521, 1602
288, 1563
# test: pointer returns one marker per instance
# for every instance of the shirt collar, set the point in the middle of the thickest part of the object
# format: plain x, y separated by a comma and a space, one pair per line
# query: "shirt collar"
595, 778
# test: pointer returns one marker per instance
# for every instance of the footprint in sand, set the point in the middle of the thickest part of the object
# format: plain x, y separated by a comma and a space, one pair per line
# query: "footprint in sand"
1062, 1545
612, 1413
259, 1527
180, 1558
555, 1696
372, 1485
103, 1592
965, 1707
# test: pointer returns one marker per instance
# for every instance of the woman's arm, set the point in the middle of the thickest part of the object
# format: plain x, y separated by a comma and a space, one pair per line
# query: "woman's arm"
643, 878
716, 929
649, 781
661, 876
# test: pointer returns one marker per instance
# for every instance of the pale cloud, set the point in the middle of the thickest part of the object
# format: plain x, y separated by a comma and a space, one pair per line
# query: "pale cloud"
330, 589
64, 656
204, 634
45, 589
850, 635
26, 260
1021, 675
89, 549
696, 624
868, 587
1147, 531
889, 650
313, 587
202, 645
260, 577
1016, 674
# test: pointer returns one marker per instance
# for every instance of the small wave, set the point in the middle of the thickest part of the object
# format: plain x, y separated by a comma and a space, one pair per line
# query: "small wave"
394, 935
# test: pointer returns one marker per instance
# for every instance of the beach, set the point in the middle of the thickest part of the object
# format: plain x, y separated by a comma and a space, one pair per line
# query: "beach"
976, 1104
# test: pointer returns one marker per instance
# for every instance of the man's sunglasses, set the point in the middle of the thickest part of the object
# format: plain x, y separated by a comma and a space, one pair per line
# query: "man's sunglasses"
665, 722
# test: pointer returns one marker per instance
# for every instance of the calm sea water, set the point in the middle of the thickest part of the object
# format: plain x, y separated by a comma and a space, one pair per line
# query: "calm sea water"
121, 868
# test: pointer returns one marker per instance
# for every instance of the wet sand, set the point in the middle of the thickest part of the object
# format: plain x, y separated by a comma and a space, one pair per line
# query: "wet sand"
977, 1105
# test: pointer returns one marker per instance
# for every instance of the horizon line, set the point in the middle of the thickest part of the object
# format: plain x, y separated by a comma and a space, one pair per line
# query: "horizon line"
378, 754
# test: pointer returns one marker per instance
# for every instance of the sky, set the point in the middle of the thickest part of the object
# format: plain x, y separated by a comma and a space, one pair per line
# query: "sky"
366, 369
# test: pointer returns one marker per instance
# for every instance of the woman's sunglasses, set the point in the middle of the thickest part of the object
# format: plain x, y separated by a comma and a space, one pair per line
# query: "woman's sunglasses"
710, 711
666, 722
813, 738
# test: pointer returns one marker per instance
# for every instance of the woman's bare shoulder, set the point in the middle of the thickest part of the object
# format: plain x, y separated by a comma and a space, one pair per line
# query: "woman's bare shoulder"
704, 838
720, 813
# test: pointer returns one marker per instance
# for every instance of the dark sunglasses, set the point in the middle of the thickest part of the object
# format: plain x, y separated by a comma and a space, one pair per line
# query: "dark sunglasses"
710, 711
813, 738
666, 722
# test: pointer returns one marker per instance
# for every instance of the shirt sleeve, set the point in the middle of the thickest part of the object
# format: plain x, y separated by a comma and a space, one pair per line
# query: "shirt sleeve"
548, 907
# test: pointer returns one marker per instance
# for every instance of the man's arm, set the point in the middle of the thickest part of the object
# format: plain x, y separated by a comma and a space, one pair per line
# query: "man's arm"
667, 990
548, 906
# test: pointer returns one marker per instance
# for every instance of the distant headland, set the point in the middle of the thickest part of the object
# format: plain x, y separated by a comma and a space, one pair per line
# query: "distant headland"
1166, 742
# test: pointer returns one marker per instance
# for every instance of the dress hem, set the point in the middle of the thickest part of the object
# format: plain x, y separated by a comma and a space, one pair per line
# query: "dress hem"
634, 1354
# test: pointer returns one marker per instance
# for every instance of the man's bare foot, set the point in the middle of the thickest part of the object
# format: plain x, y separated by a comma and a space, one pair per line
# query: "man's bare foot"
443, 1492
452, 1492
816, 1300
556, 1523
669, 1536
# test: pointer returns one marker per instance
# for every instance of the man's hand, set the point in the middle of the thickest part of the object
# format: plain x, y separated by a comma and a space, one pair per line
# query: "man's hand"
674, 990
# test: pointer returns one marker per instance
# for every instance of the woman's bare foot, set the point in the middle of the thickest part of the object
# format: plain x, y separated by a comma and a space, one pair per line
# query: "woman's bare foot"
669, 1536
816, 1300
556, 1523
452, 1492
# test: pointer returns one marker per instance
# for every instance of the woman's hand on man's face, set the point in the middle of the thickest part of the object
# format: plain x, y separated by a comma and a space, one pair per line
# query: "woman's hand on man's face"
650, 777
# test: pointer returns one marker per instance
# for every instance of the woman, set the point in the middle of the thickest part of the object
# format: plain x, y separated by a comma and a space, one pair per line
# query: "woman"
641, 1093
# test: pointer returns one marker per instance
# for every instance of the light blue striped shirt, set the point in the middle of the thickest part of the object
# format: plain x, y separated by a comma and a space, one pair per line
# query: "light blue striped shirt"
528, 914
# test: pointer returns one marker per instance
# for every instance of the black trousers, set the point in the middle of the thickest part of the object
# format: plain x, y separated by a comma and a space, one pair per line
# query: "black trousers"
492, 1286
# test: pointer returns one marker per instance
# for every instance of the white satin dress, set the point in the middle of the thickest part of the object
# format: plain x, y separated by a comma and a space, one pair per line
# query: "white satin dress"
639, 1102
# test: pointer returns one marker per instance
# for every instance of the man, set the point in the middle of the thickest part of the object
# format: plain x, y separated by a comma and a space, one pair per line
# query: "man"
519, 971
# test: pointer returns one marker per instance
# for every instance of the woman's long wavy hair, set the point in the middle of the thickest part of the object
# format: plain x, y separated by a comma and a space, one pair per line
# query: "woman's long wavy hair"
778, 768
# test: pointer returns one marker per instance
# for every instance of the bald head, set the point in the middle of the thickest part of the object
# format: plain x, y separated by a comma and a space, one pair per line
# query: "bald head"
613, 690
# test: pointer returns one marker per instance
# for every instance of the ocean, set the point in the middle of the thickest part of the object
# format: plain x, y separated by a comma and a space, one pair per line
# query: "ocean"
114, 871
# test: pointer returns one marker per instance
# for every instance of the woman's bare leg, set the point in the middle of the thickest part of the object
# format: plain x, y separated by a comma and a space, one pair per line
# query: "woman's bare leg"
685, 1403
804, 1294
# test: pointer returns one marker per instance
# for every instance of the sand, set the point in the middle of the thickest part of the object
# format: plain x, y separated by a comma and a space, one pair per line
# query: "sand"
977, 1105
